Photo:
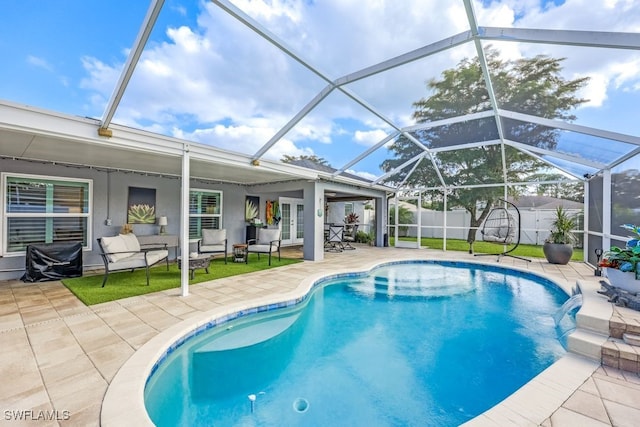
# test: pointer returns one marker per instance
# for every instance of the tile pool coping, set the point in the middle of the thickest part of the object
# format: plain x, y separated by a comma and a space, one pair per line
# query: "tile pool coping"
123, 403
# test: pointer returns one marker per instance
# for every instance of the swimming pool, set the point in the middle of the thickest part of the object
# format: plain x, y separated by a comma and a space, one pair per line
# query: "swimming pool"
419, 343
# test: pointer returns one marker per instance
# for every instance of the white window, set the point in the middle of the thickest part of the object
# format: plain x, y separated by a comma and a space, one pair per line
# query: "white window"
348, 208
205, 211
40, 209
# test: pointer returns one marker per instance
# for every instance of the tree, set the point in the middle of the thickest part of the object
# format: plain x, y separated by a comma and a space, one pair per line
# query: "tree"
532, 86
564, 190
312, 158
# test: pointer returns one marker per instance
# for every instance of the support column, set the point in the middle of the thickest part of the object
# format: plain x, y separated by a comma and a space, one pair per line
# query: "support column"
313, 222
184, 221
381, 207
606, 208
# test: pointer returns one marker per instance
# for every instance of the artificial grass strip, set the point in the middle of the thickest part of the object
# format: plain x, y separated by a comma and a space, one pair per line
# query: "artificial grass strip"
481, 247
126, 284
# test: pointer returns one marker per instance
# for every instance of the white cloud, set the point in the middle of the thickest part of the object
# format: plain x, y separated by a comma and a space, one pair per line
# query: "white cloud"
244, 139
595, 92
369, 138
626, 72
240, 138
39, 62
362, 174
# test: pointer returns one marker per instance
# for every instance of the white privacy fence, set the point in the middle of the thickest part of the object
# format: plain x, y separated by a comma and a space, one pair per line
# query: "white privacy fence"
535, 225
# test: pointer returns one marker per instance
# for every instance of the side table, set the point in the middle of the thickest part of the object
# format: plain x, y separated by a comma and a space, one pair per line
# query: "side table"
201, 261
240, 252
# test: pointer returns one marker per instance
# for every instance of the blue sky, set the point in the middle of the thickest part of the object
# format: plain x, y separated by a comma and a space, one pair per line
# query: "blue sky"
205, 77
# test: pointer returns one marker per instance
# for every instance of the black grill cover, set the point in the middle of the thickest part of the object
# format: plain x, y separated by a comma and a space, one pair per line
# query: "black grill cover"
53, 261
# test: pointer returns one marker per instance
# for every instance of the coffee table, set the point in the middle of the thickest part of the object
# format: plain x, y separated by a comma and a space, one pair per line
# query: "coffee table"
201, 261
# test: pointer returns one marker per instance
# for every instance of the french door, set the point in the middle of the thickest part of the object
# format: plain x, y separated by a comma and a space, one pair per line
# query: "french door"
292, 222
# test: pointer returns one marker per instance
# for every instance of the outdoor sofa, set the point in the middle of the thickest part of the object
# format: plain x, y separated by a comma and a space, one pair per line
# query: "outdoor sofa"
124, 252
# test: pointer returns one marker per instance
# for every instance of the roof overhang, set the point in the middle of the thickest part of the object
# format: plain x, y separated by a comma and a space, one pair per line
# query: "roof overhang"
38, 135
32, 134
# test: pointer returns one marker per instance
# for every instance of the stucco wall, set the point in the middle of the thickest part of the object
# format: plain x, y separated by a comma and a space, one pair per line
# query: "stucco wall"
110, 193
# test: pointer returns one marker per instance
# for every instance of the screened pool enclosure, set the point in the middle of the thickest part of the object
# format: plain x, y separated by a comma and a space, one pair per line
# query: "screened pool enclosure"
450, 106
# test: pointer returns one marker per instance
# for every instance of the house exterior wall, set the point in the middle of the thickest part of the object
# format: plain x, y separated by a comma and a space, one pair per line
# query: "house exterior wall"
109, 201
366, 217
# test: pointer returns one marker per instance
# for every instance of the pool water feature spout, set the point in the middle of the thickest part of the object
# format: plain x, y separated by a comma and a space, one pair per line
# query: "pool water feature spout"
574, 302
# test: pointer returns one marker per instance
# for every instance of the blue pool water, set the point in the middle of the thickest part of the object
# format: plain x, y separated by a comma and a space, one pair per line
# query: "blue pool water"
415, 343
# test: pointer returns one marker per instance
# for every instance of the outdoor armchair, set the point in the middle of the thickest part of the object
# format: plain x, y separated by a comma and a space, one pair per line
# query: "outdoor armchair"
267, 241
349, 236
334, 239
213, 241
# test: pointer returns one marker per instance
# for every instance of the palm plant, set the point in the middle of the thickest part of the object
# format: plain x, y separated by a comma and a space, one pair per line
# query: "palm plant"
562, 227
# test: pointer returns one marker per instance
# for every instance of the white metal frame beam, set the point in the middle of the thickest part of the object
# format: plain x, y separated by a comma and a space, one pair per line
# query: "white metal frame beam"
471, 17
559, 124
132, 61
599, 39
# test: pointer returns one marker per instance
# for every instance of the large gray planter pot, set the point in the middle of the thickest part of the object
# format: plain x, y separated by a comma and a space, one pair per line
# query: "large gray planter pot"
557, 253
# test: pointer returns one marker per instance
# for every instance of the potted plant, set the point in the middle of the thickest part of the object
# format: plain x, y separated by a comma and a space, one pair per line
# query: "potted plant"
558, 247
621, 264
352, 218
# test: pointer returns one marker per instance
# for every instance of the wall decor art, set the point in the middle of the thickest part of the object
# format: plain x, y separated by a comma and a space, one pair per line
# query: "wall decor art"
141, 206
251, 208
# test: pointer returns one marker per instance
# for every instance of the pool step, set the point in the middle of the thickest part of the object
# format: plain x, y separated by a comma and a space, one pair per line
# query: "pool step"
620, 354
410, 287
249, 334
592, 324
586, 343
631, 339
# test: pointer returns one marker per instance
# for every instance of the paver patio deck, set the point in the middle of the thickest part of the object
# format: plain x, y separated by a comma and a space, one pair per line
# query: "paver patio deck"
58, 356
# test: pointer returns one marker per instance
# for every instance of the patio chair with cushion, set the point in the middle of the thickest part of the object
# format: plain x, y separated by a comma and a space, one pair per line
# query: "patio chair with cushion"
349, 236
267, 241
213, 241
334, 240
124, 252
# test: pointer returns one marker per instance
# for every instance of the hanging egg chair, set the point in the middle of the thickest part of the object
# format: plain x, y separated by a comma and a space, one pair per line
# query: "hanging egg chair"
503, 228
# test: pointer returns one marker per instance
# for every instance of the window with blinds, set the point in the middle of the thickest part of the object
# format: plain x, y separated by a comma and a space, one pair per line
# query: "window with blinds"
205, 211
41, 210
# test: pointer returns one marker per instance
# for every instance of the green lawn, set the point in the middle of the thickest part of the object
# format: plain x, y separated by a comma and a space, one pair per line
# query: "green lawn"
128, 284
480, 247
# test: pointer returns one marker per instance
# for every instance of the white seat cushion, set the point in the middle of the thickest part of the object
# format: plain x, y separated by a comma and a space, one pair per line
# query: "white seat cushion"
115, 244
211, 248
137, 260
266, 235
131, 242
263, 249
213, 237
129, 262
155, 256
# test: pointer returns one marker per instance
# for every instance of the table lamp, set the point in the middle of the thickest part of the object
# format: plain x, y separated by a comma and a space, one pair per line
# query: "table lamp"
162, 222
